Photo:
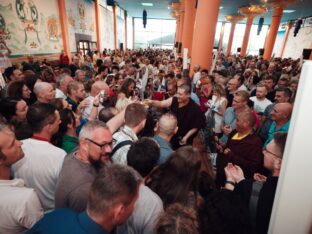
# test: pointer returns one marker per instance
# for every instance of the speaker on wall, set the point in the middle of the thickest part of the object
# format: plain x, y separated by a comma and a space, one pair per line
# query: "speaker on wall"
121, 46
110, 2
261, 52
306, 53
239, 50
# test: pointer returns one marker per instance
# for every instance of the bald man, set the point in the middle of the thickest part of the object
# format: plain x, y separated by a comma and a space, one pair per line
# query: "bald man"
44, 92
96, 88
281, 114
244, 148
166, 128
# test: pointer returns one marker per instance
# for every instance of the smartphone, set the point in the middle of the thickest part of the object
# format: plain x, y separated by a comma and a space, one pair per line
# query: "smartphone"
102, 94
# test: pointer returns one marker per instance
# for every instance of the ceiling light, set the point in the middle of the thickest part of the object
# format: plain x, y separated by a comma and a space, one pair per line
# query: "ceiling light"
289, 11
221, 7
147, 4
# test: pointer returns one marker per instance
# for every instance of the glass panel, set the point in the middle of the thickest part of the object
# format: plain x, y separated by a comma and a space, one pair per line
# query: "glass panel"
238, 37
157, 32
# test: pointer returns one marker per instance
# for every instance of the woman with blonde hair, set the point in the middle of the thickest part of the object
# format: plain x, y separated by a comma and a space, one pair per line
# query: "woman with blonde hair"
217, 106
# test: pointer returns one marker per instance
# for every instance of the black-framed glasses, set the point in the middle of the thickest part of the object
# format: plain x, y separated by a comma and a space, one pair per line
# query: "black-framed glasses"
269, 152
102, 146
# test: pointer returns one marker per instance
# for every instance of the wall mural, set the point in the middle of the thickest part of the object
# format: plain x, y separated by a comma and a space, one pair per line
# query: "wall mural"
81, 20
30, 26
295, 45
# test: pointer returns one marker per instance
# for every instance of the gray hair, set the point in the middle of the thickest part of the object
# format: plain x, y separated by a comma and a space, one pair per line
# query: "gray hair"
78, 71
41, 87
61, 78
88, 129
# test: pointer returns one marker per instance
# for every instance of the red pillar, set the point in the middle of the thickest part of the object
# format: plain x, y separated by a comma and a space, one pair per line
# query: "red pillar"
276, 19
188, 25
97, 25
181, 26
63, 21
229, 47
204, 33
289, 26
246, 36
177, 29
115, 26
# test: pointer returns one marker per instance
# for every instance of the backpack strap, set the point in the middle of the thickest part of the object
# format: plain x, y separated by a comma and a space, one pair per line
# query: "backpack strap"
253, 202
121, 144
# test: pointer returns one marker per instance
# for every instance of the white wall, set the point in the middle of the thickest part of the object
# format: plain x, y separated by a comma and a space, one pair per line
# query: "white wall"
292, 210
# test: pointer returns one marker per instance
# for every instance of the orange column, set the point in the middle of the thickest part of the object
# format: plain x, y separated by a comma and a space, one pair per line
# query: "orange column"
188, 25
204, 33
230, 42
276, 19
221, 36
288, 27
266, 37
97, 25
181, 27
246, 36
126, 30
63, 21
115, 26
177, 29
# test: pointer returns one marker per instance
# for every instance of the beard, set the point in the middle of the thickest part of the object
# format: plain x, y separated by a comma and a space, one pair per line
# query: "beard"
96, 164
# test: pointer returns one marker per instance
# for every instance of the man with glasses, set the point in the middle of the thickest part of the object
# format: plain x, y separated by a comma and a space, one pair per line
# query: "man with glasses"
231, 88
81, 166
261, 207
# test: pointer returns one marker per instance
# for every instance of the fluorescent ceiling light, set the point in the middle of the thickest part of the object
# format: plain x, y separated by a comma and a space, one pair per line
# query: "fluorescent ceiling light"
221, 7
147, 4
289, 11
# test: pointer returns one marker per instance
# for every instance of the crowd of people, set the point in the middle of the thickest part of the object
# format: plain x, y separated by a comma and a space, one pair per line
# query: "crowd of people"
130, 142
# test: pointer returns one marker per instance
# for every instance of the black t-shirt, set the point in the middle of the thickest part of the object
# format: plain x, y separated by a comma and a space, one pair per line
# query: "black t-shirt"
189, 117
271, 96
230, 98
265, 202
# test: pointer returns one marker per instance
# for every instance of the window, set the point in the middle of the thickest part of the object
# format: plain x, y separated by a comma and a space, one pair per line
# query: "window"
158, 33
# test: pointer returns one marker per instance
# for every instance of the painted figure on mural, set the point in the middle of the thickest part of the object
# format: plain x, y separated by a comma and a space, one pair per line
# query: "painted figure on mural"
29, 16
82, 10
4, 49
52, 29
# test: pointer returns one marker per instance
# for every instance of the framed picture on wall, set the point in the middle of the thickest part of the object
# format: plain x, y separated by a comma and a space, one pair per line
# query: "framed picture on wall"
307, 22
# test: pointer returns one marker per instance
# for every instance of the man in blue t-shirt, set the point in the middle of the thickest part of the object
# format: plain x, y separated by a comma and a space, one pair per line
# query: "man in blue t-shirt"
111, 201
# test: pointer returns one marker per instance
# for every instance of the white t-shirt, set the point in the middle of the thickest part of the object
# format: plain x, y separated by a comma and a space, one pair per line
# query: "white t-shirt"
59, 94
145, 214
87, 111
260, 105
20, 207
196, 77
40, 169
